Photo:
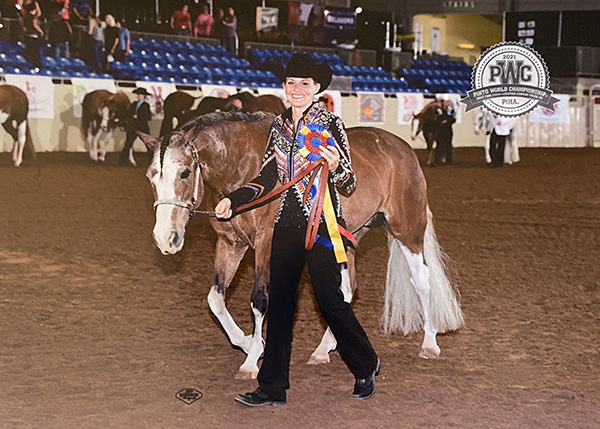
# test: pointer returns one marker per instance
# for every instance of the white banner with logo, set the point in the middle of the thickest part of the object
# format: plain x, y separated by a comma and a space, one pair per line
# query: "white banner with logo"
221, 91
159, 91
546, 116
39, 91
333, 101
83, 86
371, 108
409, 104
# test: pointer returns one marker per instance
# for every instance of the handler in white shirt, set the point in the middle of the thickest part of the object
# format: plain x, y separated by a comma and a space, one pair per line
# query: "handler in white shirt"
502, 130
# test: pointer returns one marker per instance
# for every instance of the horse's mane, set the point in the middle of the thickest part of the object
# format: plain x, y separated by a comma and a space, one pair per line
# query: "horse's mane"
208, 120
217, 118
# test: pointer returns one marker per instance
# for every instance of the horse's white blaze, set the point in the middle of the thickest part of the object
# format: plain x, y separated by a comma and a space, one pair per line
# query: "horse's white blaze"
249, 368
164, 228
3, 117
216, 302
104, 114
414, 128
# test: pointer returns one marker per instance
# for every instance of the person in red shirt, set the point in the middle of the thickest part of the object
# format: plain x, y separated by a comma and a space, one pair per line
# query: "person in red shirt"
181, 21
204, 23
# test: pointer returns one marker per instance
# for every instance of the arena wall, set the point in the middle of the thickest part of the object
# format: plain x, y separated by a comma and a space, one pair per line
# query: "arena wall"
63, 133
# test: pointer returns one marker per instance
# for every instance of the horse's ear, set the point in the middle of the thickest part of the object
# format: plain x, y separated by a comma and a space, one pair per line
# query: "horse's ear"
150, 142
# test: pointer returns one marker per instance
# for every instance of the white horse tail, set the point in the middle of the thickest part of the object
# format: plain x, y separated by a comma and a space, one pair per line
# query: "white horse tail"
402, 307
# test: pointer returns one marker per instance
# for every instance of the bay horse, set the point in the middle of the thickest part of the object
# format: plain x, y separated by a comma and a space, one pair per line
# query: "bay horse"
102, 111
425, 121
14, 107
180, 106
219, 152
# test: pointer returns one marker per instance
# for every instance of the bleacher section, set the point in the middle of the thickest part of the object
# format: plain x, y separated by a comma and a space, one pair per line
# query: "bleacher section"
189, 63
12, 61
435, 76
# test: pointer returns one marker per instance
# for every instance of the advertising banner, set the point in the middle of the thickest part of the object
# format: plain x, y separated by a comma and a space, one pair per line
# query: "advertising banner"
39, 91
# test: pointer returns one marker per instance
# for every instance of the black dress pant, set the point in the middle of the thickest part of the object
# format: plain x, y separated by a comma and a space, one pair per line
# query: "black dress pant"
443, 147
288, 257
130, 136
497, 144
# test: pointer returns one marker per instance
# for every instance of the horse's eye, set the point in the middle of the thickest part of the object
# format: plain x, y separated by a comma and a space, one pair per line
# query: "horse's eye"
185, 174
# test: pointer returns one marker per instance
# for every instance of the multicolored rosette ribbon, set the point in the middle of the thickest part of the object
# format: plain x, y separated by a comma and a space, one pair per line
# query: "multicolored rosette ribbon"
310, 139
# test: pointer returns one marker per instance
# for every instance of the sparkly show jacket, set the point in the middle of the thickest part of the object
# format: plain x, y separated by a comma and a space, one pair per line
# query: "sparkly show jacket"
283, 161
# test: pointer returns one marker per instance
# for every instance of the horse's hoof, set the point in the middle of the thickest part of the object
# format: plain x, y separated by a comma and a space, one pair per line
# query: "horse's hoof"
246, 375
318, 360
429, 353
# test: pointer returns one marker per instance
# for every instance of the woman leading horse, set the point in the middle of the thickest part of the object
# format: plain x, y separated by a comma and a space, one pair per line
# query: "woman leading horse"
308, 230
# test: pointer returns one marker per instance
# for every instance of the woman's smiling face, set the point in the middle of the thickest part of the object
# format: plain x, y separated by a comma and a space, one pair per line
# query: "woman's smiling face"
300, 91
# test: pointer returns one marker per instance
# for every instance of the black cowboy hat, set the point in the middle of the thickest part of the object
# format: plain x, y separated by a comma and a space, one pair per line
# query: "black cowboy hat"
141, 91
303, 65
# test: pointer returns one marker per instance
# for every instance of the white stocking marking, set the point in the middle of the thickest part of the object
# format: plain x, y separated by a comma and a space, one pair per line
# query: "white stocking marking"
236, 336
420, 280
249, 369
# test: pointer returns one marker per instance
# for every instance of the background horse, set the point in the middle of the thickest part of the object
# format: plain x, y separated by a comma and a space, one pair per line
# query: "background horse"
176, 105
425, 121
14, 107
180, 106
102, 110
219, 152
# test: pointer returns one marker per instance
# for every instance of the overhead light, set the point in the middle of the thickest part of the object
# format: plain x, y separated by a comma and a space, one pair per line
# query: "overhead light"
466, 46
358, 10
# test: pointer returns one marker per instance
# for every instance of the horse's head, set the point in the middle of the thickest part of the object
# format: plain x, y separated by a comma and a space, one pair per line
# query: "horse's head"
175, 174
415, 126
116, 108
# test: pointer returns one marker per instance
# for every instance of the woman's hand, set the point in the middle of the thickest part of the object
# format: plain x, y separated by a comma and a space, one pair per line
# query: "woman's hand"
223, 209
331, 155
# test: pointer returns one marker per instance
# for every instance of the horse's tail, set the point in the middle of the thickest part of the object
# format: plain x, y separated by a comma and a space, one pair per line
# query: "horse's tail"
402, 307
29, 149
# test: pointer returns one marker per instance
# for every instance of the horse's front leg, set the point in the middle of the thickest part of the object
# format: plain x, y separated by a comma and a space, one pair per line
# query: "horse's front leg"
19, 144
93, 139
104, 145
228, 254
259, 303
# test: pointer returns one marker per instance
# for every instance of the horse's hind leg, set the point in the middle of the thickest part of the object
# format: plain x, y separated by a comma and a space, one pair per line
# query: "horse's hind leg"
18, 133
420, 280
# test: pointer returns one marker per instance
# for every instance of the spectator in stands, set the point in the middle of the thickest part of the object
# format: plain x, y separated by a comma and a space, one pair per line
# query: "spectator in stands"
502, 130
33, 32
204, 23
140, 115
219, 28
230, 26
59, 34
181, 21
443, 136
112, 48
96, 32
80, 10
124, 40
